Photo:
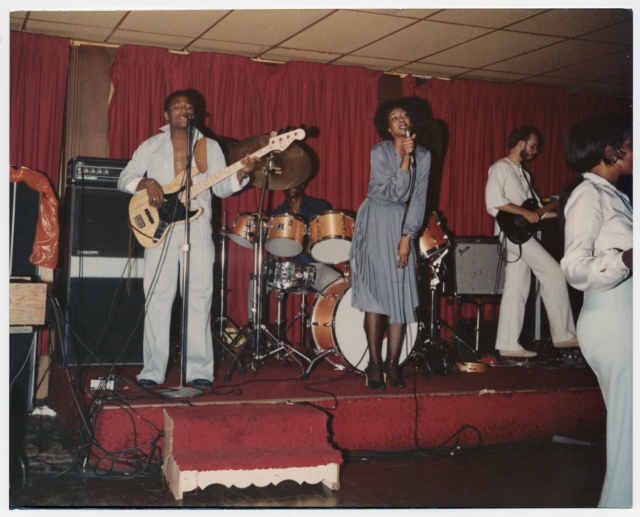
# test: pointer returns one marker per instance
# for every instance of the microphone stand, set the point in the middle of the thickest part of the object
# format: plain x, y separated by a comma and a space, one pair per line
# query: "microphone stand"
184, 391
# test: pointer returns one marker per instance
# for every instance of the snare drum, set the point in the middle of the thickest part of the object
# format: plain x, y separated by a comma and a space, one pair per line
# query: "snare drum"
336, 325
330, 235
285, 235
289, 276
432, 239
243, 230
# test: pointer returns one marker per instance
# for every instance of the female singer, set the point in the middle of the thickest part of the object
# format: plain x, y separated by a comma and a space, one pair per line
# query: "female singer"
383, 259
598, 260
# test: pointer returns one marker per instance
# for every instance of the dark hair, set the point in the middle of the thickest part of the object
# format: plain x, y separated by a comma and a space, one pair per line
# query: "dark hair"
587, 141
381, 119
173, 95
523, 133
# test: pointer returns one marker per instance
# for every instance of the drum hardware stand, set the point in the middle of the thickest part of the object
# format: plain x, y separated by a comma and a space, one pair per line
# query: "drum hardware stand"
224, 337
183, 391
255, 327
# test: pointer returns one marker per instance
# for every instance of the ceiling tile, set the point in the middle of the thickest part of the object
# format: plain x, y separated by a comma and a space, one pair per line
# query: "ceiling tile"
571, 22
560, 55
620, 33
93, 18
488, 75
385, 65
16, 20
227, 47
175, 23
431, 70
418, 14
345, 31
265, 27
65, 30
287, 54
493, 18
420, 40
123, 37
497, 46
597, 69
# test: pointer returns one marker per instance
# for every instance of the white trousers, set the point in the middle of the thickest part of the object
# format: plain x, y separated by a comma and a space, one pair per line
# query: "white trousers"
606, 340
162, 275
553, 290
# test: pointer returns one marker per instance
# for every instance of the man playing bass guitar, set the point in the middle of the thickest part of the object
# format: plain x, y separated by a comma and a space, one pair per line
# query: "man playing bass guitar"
508, 188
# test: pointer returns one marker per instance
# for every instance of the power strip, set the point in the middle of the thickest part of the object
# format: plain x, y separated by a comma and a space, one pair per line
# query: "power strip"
101, 384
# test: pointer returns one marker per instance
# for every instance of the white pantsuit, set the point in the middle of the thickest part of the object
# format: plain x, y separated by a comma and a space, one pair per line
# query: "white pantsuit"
599, 229
517, 283
510, 183
163, 264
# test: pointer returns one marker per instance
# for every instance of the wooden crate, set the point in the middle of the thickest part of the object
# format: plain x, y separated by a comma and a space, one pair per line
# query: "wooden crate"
27, 303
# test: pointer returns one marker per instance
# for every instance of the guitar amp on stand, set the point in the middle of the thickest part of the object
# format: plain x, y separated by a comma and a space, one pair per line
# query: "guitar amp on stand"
102, 300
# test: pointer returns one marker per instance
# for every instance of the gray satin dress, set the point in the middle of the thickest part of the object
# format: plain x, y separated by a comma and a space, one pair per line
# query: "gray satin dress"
378, 285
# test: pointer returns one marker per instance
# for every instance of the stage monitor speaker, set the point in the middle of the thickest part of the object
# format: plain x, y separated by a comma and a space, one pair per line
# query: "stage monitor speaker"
477, 262
24, 208
103, 318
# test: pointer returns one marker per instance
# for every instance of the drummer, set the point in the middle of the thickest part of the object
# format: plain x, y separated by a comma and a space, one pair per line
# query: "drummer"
298, 203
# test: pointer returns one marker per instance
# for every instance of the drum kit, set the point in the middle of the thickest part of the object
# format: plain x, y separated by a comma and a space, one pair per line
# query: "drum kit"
336, 327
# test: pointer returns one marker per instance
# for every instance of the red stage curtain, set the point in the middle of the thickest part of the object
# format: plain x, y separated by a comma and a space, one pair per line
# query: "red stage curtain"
38, 69
334, 104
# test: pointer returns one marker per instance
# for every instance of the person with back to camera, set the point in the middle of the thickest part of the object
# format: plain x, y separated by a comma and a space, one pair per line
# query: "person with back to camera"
383, 260
598, 259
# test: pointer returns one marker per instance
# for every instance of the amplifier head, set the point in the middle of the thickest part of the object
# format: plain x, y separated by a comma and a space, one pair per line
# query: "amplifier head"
94, 171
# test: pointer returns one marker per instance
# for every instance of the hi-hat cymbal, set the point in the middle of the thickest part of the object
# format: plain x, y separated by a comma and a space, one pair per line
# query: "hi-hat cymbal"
290, 167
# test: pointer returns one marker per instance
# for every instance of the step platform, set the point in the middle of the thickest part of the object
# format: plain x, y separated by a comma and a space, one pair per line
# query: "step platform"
244, 444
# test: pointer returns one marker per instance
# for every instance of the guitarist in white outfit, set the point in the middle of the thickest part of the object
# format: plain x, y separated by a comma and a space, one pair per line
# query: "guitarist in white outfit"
163, 157
508, 187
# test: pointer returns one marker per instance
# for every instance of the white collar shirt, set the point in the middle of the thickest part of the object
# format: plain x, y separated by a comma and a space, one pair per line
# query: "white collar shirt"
598, 230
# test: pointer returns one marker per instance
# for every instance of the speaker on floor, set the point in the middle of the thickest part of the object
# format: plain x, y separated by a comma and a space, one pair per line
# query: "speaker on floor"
100, 290
478, 269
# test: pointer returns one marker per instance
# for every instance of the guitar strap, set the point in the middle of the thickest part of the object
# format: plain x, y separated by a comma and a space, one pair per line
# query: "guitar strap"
531, 191
200, 155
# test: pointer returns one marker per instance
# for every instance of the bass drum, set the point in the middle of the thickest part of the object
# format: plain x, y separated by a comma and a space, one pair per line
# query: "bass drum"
339, 327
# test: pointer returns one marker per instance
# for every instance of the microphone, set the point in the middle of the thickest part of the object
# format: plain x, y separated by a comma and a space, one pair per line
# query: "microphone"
191, 117
412, 153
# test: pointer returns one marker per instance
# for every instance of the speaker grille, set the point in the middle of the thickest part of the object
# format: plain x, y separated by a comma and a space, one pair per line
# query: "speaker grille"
477, 262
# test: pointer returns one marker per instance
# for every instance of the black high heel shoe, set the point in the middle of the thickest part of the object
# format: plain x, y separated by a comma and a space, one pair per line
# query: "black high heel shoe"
375, 377
394, 372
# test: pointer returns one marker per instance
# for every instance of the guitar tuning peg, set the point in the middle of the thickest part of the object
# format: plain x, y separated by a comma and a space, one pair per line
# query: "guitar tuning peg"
274, 133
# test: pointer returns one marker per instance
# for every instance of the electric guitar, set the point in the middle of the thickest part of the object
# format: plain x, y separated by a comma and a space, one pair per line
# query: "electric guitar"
150, 224
515, 227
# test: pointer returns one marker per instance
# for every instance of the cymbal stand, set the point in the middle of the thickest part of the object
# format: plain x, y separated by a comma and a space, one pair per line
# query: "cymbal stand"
255, 326
225, 338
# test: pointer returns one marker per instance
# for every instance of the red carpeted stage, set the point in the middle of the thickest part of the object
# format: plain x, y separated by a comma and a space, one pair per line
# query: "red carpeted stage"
504, 404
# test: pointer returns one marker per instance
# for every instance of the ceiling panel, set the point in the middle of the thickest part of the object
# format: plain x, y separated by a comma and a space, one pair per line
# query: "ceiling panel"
346, 31
571, 22
286, 54
601, 68
417, 14
489, 75
370, 62
266, 27
420, 40
179, 23
61, 29
93, 18
428, 70
494, 47
122, 37
620, 33
227, 47
556, 56
492, 18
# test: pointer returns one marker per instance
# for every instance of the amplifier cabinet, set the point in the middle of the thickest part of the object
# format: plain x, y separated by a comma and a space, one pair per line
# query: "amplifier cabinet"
477, 264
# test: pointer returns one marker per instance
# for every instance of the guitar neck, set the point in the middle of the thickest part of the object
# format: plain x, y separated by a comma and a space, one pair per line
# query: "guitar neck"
200, 187
546, 208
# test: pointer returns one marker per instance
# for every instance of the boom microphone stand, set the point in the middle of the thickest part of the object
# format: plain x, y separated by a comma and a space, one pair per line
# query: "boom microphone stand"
183, 391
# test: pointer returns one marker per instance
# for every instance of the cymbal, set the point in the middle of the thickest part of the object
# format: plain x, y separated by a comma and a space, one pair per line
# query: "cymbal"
291, 167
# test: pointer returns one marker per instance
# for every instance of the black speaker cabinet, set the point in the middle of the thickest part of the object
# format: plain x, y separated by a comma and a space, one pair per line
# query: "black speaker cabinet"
477, 263
103, 316
24, 207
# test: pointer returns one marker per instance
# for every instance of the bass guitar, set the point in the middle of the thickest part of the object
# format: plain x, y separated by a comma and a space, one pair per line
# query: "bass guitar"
150, 225
515, 227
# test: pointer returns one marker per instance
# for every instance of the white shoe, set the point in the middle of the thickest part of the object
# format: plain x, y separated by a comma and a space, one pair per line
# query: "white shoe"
573, 342
517, 353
